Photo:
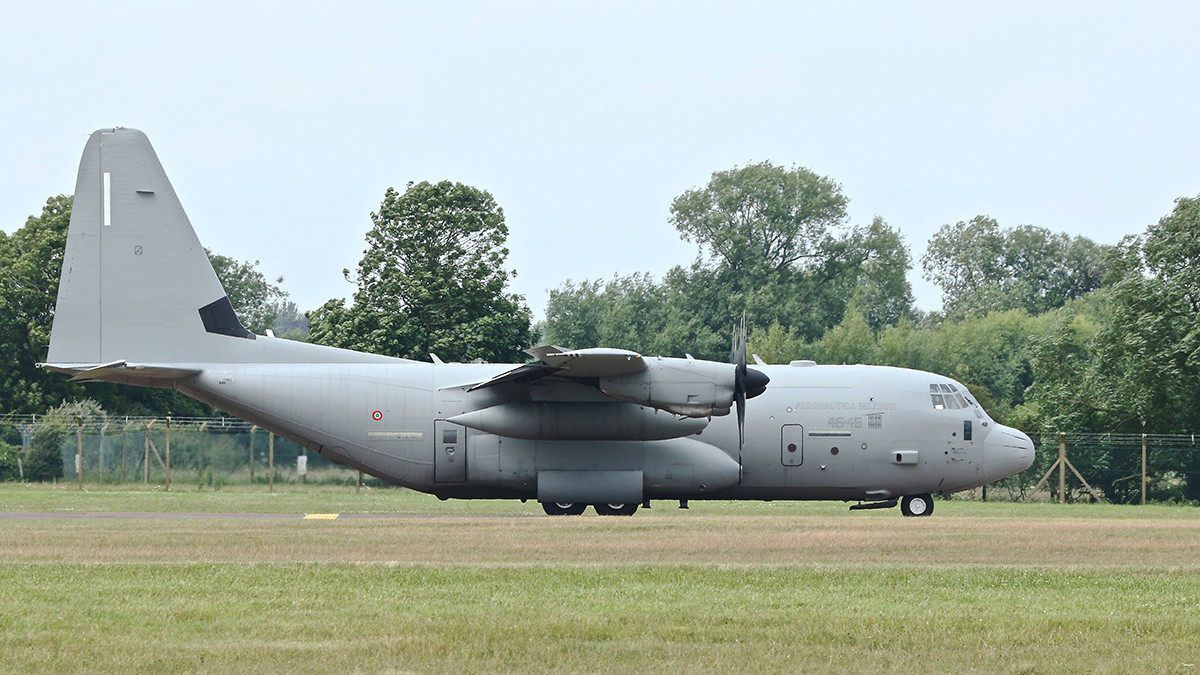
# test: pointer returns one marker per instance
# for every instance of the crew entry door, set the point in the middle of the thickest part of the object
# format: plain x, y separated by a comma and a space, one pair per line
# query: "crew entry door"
449, 452
793, 445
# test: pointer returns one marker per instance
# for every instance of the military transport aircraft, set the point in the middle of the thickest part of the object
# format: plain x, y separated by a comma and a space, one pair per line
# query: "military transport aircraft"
139, 304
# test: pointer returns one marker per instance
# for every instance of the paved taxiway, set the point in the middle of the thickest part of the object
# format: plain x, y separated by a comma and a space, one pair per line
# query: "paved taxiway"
170, 515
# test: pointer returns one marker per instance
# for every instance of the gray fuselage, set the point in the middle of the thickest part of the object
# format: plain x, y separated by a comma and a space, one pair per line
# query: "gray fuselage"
818, 432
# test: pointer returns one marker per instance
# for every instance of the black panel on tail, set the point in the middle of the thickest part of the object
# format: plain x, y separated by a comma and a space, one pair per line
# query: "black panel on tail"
218, 317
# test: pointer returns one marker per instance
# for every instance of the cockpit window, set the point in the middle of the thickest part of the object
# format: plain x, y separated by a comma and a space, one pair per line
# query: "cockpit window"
947, 397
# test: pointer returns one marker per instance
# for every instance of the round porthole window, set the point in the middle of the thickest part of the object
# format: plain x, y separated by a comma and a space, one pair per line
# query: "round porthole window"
833, 451
791, 447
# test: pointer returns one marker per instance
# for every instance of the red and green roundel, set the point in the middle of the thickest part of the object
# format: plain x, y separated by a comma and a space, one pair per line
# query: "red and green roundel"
377, 415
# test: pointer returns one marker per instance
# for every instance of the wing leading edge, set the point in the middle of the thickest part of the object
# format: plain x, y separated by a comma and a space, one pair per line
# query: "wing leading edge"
570, 363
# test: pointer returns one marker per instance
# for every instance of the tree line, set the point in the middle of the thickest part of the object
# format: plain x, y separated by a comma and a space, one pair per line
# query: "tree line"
1051, 332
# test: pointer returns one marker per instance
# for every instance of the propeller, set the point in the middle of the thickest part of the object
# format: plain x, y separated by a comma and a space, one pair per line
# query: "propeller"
747, 382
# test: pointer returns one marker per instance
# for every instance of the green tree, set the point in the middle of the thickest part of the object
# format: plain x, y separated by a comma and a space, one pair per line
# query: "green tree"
1127, 359
257, 301
850, 342
776, 344
1068, 390
981, 267
30, 266
30, 260
883, 275
904, 345
773, 245
432, 280
760, 216
989, 354
1149, 349
290, 322
44, 460
9, 469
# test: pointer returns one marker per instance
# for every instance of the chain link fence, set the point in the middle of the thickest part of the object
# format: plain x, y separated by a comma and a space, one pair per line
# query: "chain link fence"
1079, 466
217, 451
212, 451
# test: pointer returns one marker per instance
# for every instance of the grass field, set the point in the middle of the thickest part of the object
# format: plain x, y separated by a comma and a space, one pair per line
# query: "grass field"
495, 586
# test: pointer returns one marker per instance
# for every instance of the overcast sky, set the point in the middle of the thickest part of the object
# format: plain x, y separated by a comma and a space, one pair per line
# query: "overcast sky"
282, 123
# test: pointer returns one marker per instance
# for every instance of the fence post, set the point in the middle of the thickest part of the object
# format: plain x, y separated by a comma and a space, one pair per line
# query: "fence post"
146, 457
79, 451
124, 446
168, 467
271, 460
103, 428
200, 453
252, 430
1143, 469
26, 435
1062, 467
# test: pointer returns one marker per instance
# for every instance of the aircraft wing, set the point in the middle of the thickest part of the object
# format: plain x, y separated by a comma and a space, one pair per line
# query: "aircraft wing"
594, 362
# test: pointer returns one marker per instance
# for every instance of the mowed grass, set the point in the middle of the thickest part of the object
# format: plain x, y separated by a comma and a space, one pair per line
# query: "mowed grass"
494, 587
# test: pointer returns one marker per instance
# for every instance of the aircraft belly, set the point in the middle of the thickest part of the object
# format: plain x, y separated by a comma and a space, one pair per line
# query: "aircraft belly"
675, 467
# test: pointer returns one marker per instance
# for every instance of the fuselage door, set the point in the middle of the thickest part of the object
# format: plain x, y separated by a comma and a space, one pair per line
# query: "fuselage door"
449, 452
793, 445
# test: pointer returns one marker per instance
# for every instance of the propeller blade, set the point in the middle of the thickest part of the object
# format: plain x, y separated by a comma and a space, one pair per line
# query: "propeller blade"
747, 382
741, 417
741, 379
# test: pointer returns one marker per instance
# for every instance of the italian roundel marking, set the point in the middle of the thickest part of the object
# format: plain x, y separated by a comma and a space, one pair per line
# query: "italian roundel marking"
377, 415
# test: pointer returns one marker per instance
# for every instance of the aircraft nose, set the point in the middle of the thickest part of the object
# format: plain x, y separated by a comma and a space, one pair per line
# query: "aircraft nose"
756, 382
1007, 451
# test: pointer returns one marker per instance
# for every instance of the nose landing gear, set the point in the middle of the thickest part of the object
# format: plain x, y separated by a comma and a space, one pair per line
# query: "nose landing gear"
917, 505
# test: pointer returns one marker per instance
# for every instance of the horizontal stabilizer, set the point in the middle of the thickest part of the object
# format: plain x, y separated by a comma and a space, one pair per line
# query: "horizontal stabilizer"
120, 371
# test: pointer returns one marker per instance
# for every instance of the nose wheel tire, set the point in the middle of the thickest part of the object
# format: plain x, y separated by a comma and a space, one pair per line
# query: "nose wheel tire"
563, 508
615, 509
917, 505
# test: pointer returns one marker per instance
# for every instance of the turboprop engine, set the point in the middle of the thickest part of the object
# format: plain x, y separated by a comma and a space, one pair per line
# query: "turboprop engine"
691, 391
684, 387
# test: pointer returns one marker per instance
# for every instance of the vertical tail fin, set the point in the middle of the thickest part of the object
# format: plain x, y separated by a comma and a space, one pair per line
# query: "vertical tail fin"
136, 284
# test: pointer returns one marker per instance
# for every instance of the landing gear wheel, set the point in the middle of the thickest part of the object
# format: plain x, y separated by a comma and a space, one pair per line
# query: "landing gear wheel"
917, 505
615, 509
563, 508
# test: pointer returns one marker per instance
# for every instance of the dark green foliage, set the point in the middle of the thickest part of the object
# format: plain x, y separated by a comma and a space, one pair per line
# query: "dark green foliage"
774, 245
432, 280
1129, 360
761, 217
30, 261
983, 267
9, 470
257, 301
44, 460
30, 265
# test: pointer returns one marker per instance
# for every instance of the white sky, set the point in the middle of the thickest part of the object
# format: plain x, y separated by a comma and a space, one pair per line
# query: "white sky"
282, 123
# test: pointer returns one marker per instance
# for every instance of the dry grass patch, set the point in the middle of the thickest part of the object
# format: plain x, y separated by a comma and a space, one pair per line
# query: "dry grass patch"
725, 587
823, 538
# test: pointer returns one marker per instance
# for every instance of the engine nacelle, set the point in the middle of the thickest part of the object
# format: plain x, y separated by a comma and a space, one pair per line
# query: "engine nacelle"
567, 421
686, 387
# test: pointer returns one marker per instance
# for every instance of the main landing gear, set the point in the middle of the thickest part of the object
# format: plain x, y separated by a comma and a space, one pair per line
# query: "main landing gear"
575, 509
